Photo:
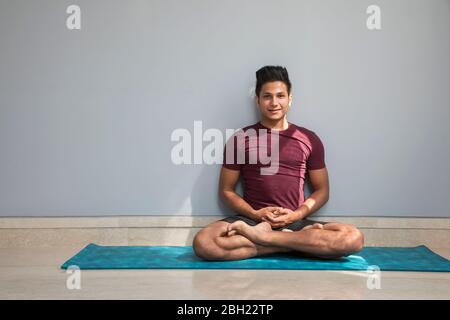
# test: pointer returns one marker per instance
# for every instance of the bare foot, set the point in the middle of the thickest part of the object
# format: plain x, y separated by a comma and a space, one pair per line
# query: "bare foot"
263, 226
254, 234
314, 226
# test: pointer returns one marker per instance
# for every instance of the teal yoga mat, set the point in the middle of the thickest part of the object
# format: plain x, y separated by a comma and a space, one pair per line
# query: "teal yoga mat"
164, 257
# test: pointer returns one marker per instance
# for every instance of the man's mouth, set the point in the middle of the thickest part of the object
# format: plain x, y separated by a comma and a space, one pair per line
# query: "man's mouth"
274, 110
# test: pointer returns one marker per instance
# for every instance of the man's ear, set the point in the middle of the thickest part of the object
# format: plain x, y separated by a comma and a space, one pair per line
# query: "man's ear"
290, 100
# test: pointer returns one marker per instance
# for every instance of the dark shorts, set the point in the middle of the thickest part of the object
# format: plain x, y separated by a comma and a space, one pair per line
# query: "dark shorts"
296, 226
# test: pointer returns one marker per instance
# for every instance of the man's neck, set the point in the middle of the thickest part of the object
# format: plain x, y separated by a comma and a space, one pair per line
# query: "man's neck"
281, 124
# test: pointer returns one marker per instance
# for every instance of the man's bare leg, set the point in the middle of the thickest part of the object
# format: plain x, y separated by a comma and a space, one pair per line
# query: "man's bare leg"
326, 241
214, 242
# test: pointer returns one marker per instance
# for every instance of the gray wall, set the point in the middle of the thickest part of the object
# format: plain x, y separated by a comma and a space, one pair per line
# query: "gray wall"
86, 116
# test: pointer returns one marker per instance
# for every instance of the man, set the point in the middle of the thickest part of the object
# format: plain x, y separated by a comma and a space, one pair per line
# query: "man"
272, 215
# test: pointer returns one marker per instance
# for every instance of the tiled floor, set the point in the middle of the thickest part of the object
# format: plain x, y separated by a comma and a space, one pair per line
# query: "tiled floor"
27, 273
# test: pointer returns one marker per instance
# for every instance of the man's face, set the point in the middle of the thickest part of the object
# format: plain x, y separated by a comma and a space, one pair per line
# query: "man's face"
273, 100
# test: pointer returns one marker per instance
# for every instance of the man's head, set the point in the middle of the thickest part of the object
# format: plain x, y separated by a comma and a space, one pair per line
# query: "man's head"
273, 92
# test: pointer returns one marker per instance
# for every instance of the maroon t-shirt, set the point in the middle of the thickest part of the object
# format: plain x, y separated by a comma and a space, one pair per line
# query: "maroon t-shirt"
300, 150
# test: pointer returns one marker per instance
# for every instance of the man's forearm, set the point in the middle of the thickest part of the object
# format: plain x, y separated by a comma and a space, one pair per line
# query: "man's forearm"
314, 202
239, 205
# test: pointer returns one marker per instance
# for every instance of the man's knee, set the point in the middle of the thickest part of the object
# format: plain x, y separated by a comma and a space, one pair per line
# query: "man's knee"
358, 240
352, 241
206, 248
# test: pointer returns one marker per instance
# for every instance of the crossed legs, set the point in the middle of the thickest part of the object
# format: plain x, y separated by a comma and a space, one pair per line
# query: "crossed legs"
214, 243
238, 240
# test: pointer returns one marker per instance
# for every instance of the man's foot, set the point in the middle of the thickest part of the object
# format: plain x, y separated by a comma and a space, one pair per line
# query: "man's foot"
314, 226
255, 234
263, 226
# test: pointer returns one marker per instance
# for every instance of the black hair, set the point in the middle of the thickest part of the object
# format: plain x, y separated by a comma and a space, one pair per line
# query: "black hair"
270, 74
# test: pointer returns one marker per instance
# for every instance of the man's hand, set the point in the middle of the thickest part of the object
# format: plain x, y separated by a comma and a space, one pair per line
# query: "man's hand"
280, 217
267, 213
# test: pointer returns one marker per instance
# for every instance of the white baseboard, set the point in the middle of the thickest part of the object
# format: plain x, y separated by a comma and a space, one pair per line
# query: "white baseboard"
180, 230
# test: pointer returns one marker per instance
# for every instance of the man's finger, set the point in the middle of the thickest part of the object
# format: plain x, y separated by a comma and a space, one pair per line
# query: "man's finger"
269, 217
277, 219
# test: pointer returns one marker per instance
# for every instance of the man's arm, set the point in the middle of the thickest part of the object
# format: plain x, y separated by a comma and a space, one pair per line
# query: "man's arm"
227, 183
320, 184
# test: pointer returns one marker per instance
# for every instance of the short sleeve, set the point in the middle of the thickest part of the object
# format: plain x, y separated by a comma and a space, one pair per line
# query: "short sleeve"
316, 159
230, 160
